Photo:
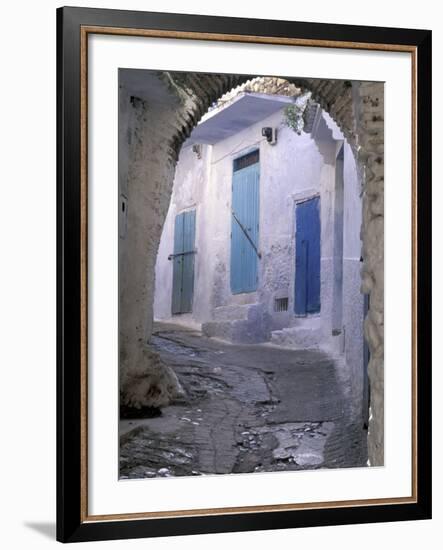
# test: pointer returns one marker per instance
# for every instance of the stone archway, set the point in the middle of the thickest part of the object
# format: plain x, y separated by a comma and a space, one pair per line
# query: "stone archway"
155, 128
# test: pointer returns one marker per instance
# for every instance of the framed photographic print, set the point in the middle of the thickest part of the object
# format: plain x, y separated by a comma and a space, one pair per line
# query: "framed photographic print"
244, 274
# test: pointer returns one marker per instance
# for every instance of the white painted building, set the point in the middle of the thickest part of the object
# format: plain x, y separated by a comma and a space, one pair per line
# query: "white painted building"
295, 176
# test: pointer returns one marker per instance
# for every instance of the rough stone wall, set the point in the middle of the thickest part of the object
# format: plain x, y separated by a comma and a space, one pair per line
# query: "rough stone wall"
357, 108
370, 124
262, 85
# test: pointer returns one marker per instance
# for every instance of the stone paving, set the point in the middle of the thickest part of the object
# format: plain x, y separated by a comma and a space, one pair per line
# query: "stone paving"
246, 408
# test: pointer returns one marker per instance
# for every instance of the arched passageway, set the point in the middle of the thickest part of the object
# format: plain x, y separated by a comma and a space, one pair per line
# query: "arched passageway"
157, 126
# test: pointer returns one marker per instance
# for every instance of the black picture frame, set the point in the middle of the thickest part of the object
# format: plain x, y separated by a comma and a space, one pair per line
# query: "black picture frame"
71, 524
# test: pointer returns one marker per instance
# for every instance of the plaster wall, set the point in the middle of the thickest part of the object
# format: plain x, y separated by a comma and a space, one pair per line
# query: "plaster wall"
353, 298
291, 170
143, 187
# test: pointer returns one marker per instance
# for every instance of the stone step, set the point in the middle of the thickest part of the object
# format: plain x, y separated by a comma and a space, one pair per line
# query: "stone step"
297, 338
232, 312
302, 322
253, 328
237, 332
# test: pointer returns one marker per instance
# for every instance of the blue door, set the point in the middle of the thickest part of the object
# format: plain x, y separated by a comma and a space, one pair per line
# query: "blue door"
244, 224
183, 262
307, 257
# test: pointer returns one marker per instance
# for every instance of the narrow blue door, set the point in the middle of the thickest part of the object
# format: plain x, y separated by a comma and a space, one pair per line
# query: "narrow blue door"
183, 262
245, 224
307, 257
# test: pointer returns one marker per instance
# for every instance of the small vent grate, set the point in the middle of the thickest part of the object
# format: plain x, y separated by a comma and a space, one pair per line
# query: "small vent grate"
281, 304
246, 160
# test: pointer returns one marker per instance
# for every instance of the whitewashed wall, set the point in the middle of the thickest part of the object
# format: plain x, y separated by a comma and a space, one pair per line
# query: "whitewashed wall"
297, 167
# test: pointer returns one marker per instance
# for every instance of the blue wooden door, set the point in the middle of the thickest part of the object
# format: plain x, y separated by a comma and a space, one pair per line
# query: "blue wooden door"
183, 262
244, 228
307, 257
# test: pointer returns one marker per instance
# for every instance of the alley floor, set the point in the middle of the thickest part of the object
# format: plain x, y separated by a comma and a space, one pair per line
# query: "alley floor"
246, 408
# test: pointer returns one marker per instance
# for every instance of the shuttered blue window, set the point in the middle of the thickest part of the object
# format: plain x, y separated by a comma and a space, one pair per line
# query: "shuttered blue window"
183, 262
245, 224
307, 257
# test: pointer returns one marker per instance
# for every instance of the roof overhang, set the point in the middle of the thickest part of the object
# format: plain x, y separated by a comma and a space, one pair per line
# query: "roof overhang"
243, 111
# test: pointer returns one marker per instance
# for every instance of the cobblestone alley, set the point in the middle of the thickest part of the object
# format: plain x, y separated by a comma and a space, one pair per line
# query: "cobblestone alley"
245, 408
